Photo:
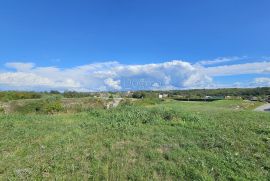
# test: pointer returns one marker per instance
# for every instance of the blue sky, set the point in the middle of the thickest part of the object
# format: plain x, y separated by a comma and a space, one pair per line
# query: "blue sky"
94, 45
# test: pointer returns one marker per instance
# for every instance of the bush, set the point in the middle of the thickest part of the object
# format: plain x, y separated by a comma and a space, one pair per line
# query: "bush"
14, 95
2, 110
55, 92
52, 107
166, 115
125, 102
28, 107
52, 104
111, 96
138, 95
46, 106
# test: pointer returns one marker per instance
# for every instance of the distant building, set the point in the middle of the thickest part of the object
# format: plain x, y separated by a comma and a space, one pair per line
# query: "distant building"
127, 94
254, 98
161, 96
233, 97
215, 97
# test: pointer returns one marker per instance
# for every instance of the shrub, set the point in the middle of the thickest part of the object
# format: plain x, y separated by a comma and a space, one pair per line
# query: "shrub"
49, 105
52, 107
166, 114
138, 95
125, 102
27, 107
2, 110
52, 104
14, 95
55, 92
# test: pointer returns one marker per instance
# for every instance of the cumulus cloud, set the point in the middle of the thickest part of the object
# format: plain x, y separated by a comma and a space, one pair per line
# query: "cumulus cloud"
113, 75
23, 79
114, 84
28, 81
105, 76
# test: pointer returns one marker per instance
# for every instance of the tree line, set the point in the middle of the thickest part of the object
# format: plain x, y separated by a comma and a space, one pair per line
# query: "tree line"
193, 93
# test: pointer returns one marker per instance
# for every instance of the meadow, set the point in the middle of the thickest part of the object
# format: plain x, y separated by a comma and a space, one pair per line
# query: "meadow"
141, 140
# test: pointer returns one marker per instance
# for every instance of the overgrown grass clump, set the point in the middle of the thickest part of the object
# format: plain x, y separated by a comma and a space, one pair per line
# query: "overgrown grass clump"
48, 105
52, 105
166, 141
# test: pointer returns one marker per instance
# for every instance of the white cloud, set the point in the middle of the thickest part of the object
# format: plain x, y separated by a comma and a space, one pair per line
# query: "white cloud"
28, 81
238, 69
261, 82
221, 60
196, 80
20, 67
266, 70
105, 76
23, 79
114, 84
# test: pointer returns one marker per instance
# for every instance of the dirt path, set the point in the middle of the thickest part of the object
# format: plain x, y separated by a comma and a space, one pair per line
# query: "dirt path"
265, 107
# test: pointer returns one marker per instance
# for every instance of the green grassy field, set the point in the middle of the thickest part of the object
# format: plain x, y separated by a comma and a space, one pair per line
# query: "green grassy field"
170, 140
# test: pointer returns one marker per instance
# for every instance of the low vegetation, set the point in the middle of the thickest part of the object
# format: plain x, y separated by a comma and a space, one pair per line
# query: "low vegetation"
149, 139
14, 95
52, 105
